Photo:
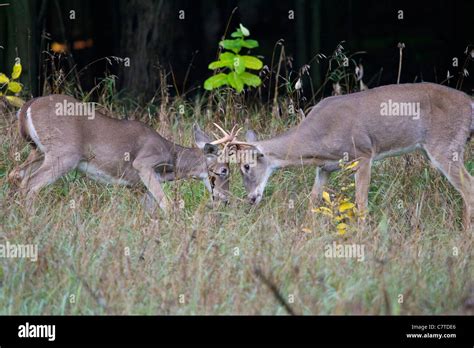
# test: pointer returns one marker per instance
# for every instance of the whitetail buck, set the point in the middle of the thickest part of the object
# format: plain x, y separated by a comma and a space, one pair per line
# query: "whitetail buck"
70, 134
367, 126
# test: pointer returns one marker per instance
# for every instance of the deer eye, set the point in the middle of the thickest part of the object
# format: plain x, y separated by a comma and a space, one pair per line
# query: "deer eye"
223, 172
246, 167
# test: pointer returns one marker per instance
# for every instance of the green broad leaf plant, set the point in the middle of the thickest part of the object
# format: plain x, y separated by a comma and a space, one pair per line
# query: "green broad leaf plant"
10, 87
235, 66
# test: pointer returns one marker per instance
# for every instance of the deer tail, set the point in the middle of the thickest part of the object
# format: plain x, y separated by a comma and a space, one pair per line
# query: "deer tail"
22, 121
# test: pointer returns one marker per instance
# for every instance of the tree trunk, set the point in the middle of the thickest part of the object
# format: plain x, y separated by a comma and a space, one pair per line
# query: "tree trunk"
18, 34
147, 38
315, 10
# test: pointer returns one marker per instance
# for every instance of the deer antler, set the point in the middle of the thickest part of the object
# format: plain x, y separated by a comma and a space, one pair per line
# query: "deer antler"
240, 143
228, 137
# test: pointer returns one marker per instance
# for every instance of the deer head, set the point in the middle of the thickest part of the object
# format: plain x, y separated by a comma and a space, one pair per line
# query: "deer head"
218, 171
255, 166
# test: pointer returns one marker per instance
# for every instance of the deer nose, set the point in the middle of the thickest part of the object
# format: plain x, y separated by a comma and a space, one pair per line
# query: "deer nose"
254, 198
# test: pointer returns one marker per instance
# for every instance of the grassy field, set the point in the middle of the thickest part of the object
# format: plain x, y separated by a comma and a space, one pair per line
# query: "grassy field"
105, 255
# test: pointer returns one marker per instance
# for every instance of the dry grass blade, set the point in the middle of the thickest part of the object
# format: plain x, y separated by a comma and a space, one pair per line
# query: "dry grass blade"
274, 289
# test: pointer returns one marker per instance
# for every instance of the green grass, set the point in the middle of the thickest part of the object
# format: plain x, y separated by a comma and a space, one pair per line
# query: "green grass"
107, 256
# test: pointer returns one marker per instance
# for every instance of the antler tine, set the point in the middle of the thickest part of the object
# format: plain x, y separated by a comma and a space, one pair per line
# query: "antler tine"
234, 132
233, 136
236, 142
233, 129
228, 137
219, 141
237, 133
222, 130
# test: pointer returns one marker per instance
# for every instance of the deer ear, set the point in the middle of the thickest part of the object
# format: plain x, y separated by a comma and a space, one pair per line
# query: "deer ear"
200, 138
250, 136
257, 153
210, 149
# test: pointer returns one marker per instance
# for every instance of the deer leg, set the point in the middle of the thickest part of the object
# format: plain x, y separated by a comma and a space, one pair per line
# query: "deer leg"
50, 170
151, 180
27, 168
320, 181
362, 182
458, 176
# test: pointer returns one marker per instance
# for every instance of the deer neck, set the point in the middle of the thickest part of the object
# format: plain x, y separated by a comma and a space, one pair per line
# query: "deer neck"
189, 162
290, 148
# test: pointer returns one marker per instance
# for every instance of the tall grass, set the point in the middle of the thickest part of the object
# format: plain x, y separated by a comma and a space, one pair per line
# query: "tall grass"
106, 255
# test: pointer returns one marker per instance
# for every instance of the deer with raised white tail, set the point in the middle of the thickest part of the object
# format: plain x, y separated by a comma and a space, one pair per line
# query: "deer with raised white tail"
68, 134
367, 126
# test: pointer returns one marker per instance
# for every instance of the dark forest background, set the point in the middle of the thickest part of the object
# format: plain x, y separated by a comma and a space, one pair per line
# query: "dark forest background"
153, 36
